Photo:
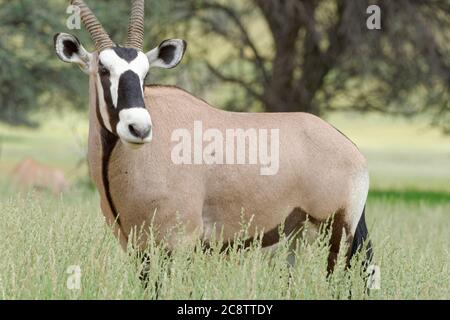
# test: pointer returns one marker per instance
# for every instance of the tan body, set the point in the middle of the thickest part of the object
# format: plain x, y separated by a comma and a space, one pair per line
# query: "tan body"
321, 173
31, 174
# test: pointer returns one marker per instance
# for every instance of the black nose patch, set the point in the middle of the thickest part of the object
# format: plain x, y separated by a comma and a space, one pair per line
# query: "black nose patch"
129, 91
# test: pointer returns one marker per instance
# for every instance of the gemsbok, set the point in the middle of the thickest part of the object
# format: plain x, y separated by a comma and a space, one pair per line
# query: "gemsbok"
134, 130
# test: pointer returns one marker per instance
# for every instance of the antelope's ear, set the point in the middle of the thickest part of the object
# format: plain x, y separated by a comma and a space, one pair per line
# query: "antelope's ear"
69, 49
168, 54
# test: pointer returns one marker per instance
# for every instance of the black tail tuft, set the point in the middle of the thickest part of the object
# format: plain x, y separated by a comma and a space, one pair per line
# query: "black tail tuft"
360, 238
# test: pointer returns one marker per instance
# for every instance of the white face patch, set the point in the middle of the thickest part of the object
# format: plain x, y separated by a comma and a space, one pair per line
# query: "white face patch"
130, 119
118, 66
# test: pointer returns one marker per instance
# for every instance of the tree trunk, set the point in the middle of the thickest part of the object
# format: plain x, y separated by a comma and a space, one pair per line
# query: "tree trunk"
283, 93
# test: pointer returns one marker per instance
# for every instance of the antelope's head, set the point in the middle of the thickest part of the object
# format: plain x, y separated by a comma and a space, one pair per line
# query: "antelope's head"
120, 71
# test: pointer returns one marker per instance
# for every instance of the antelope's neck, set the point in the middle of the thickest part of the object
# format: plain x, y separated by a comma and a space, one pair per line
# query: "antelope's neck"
101, 141
100, 147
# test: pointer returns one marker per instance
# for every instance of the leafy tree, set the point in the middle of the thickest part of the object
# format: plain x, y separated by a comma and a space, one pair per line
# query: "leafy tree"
322, 56
25, 59
275, 55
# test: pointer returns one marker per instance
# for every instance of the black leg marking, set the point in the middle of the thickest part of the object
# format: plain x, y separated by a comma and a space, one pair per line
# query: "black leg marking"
361, 236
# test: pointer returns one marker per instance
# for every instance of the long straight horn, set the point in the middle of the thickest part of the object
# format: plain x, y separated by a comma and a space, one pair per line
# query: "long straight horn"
93, 26
136, 26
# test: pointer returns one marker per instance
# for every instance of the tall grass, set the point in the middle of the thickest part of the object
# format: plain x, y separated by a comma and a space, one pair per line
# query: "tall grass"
42, 236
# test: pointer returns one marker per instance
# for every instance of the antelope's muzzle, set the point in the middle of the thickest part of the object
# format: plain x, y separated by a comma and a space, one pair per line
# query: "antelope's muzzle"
135, 126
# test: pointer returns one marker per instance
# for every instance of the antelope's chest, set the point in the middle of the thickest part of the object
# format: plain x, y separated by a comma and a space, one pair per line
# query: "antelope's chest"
136, 175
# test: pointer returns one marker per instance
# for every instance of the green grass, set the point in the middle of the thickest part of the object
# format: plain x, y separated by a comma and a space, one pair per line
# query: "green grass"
43, 236
407, 213
410, 196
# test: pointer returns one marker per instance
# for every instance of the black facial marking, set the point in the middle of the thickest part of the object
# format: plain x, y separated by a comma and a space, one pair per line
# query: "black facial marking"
102, 70
108, 142
106, 85
97, 110
69, 48
167, 53
127, 54
130, 91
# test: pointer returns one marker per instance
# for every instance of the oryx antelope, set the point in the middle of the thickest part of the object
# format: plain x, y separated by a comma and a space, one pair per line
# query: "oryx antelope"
321, 173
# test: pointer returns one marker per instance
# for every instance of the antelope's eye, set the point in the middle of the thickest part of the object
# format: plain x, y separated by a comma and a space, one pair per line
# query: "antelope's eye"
102, 70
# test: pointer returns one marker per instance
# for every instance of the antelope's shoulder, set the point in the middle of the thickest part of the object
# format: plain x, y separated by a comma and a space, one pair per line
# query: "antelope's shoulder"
169, 93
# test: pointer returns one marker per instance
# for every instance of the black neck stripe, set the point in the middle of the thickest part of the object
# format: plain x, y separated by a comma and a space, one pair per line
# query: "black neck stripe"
108, 141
